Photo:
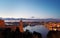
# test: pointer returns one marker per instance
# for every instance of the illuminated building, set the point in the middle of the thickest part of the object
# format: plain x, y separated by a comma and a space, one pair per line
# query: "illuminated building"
21, 26
2, 24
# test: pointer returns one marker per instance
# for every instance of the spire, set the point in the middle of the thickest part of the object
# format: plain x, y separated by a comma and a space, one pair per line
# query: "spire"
21, 26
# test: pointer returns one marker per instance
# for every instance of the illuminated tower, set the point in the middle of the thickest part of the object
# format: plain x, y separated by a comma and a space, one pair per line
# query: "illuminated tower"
2, 24
21, 26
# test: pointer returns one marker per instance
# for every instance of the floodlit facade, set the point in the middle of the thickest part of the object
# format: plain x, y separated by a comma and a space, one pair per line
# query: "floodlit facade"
53, 26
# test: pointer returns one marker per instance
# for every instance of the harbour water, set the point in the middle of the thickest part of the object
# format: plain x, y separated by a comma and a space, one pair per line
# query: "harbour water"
38, 28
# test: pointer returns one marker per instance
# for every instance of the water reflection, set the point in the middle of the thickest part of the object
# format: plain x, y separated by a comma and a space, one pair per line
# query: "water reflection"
38, 28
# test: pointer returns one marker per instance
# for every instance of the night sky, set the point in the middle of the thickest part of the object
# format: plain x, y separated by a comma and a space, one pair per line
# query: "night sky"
29, 8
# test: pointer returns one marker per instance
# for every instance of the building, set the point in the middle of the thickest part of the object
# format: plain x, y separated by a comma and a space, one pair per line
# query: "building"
12, 25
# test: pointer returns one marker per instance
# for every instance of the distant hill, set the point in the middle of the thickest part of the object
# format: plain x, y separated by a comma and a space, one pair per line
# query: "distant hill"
32, 20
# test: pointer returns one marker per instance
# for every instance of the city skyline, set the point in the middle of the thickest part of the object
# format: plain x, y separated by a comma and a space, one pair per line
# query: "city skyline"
30, 8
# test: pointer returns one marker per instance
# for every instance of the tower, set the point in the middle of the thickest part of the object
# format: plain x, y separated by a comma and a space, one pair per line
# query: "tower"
21, 26
2, 24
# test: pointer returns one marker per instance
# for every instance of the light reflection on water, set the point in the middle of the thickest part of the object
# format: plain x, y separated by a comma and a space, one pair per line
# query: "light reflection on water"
38, 28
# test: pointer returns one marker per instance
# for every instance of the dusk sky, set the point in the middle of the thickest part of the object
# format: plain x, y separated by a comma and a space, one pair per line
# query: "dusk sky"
29, 8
